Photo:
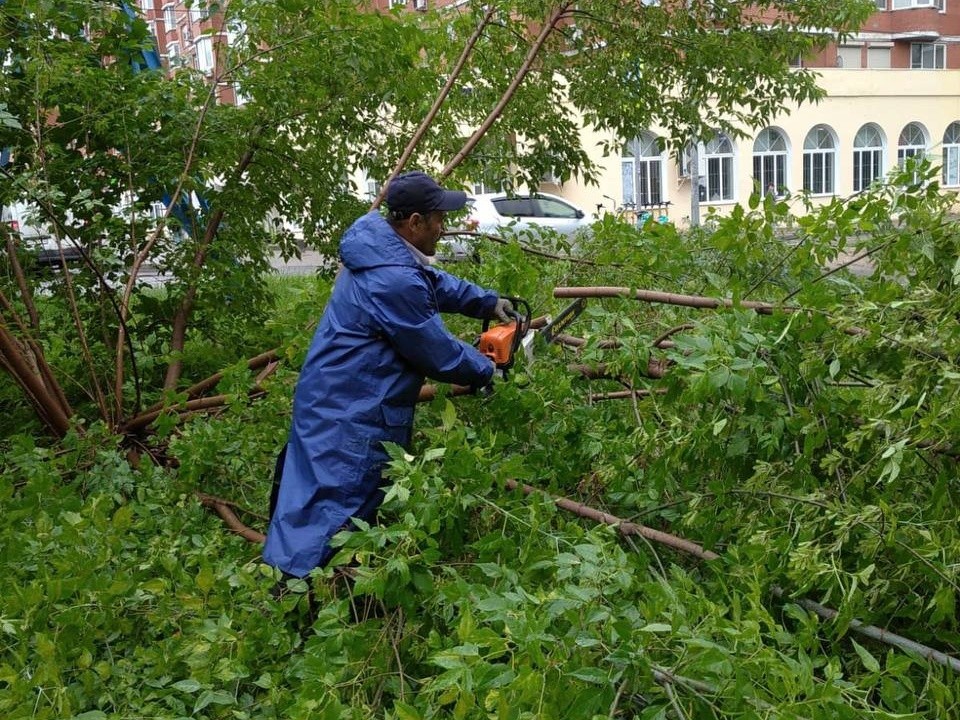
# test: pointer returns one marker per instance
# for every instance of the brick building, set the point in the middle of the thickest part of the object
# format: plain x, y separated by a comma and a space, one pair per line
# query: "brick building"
190, 37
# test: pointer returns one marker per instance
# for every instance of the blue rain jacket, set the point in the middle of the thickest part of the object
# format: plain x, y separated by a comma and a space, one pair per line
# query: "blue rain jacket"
380, 334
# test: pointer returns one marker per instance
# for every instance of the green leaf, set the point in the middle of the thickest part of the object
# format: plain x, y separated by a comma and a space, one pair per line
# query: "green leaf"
869, 661
656, 628
188, 686
594, 676
213, 697
406, 712
448, 415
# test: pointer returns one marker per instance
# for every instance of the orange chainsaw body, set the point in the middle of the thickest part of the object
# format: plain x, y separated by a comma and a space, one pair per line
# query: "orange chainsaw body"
497, 343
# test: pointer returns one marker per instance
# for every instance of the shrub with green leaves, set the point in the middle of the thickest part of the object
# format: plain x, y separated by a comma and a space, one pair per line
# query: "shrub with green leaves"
812, 449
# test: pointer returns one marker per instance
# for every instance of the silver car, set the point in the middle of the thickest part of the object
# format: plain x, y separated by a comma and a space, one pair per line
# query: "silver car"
501, 214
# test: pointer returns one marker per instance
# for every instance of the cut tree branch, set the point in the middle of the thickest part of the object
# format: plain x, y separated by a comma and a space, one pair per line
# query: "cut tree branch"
654, 296
549, 25
624, 527
225, 511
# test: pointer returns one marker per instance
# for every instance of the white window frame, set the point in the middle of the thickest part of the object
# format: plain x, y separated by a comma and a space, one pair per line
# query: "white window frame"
908, 147
933, 56
867, 156
420, 5
770, 157
169, 18
642, 172
206, 57
719, 180
822, 180
951, 155
910, 4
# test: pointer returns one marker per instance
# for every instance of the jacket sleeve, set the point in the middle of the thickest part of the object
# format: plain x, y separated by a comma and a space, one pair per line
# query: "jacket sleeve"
459, 296
403, 306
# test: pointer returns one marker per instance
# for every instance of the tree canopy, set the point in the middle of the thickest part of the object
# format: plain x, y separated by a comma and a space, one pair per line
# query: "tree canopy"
331, 90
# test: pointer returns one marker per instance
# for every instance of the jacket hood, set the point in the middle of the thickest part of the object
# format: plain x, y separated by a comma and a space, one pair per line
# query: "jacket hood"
371, 242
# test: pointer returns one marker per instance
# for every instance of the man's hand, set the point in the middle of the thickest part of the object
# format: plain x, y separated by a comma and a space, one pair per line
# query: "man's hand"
502, 311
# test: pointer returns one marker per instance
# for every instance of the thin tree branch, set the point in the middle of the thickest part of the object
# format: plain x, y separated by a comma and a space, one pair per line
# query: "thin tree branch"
230, 519
671, 332
437, 103
25, 295
551, 22
875, 633
623, 527
654, 296
840, 267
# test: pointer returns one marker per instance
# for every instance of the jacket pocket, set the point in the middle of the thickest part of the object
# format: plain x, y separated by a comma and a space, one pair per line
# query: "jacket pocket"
396, 416
398, 423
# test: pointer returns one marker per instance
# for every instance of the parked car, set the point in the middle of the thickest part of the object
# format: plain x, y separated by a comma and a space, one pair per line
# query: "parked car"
36, 239
495, 213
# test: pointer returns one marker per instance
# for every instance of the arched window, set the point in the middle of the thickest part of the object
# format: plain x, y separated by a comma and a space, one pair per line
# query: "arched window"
867, 156
770, 162
718, 182
641, 171
913, 142
951, 155
819, 161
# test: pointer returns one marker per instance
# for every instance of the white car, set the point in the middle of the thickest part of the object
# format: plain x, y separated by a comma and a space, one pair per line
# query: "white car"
494, 213
37, 239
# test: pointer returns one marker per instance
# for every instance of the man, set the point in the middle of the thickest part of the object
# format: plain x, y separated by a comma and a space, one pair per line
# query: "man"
380, 334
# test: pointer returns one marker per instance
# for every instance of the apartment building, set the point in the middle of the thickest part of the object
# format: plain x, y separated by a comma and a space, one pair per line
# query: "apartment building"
893, 91
190, 37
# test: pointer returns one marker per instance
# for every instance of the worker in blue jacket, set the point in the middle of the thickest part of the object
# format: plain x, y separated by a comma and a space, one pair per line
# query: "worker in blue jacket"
380, 334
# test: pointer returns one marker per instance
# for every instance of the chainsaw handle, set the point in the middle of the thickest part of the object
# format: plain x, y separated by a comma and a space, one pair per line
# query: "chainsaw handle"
523, 321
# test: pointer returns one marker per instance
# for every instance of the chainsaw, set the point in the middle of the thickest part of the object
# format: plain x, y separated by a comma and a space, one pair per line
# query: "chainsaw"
500, 342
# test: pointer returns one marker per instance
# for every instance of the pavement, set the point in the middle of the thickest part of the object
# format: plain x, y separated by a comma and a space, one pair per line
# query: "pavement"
309, 262
861, 267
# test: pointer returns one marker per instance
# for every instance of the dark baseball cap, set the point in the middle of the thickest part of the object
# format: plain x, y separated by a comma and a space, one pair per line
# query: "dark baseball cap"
417, 192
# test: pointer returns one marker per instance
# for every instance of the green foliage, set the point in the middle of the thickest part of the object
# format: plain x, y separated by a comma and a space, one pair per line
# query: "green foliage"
815, 461
813, 448
332, 91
